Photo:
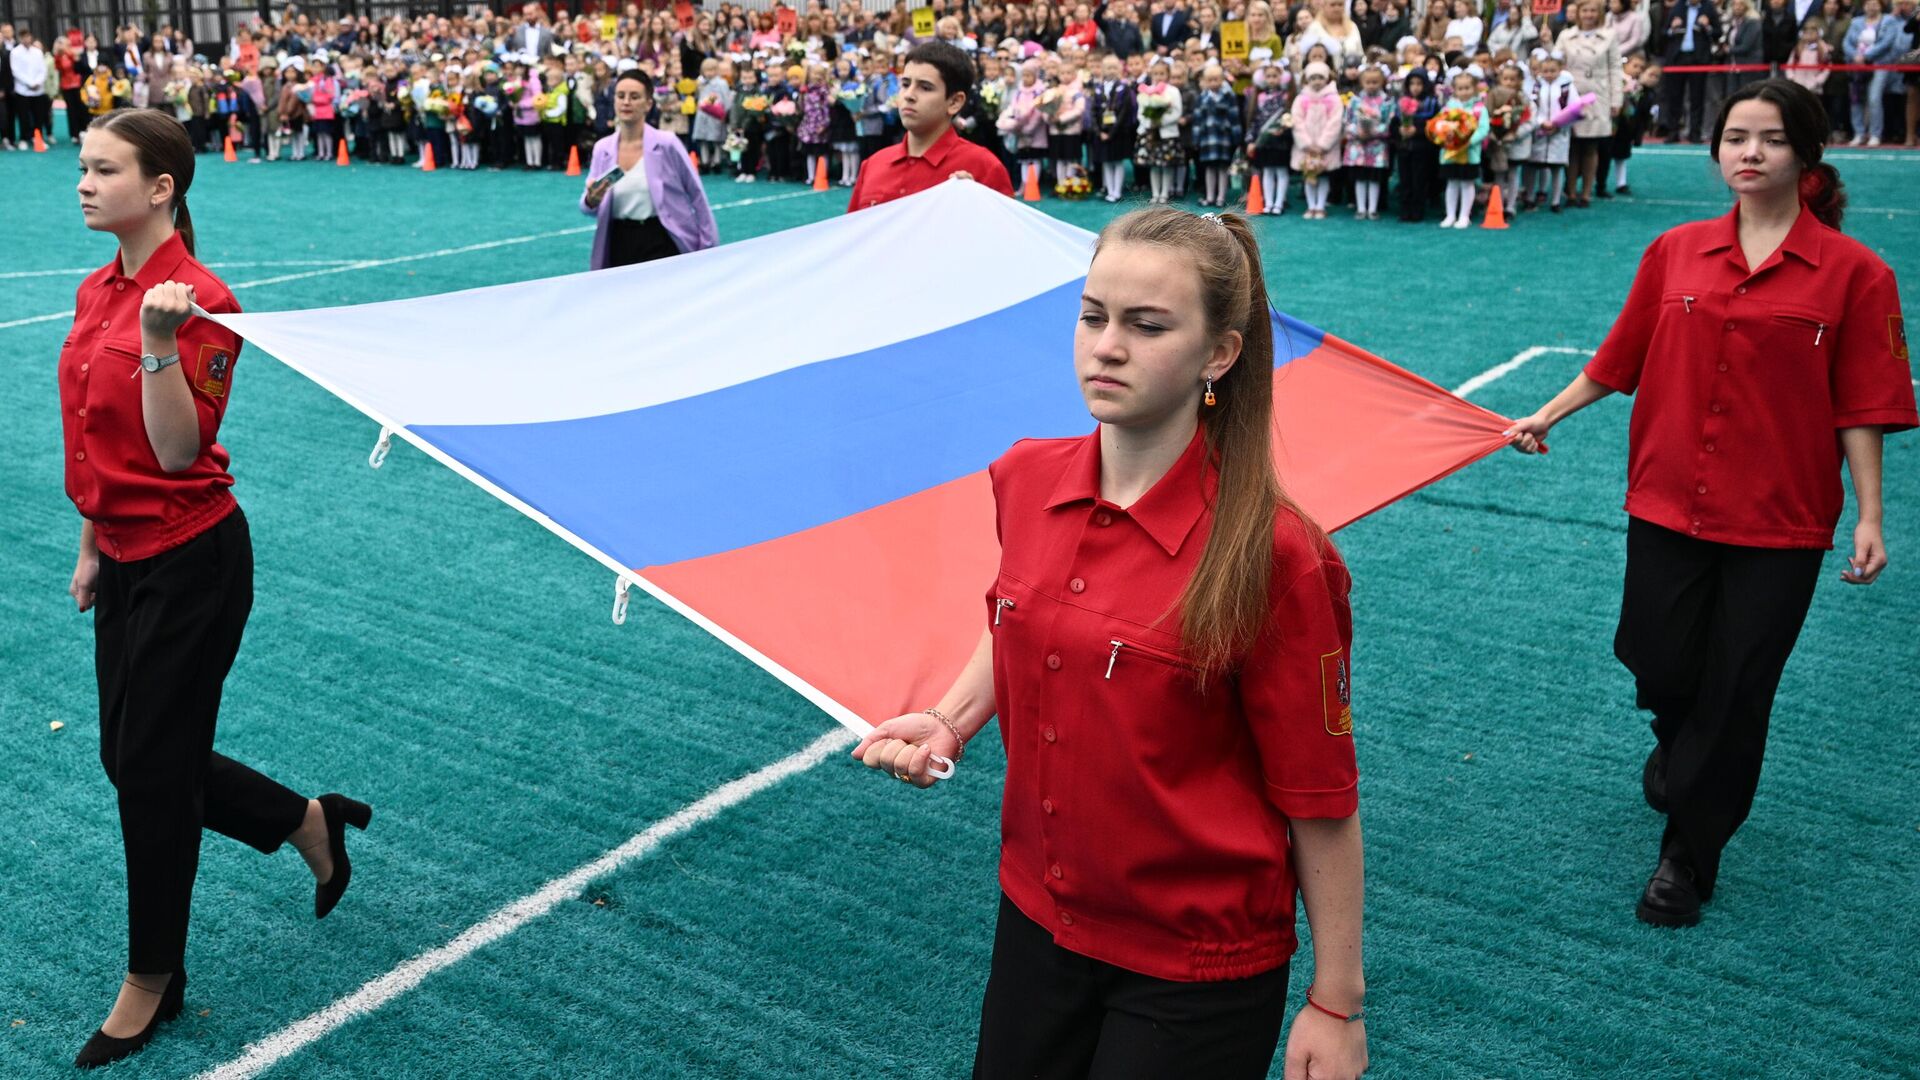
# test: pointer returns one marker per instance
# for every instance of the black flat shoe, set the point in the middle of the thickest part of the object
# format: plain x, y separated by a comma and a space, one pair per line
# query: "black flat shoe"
104, 1049
1672, 898
1653, 779
340, 812
1623, 190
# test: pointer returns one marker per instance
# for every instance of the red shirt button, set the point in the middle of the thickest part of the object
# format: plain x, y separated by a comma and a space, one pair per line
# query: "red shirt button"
1103, 518
1055, 871
81, 456
84, 367
1709, 448
1053, 662
1066, 918
1723, 366
1077, 585
1702, 489
1716, 407
1048, 733
1046, 805
1729, 324
1742, 290
119, 286
1696, 528
104, 323
80, 412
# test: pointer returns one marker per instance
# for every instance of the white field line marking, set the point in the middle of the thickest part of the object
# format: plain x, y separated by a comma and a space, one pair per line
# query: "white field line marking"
1500, 371
84, 270
369, 264
371, 996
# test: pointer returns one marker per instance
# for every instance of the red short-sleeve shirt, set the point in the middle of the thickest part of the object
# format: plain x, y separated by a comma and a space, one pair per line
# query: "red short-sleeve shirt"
1145, 823
892, 173
138, 510
1744, 379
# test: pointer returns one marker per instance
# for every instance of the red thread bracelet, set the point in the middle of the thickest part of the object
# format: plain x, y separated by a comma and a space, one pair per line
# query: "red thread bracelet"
1346, 1017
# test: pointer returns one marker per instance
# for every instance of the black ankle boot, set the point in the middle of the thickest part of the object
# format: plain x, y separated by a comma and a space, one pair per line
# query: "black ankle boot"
340, 812
104, 1049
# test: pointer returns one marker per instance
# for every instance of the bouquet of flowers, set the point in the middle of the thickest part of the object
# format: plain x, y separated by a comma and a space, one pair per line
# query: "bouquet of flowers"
122, 89
786, 114
685, 87
1316, 164
712, 107
177, 93
755, 104
992, 96
852, 97
439, 105
1453, 129
90, 94
487, 104
1408, 106
512, 88
1156, 100
1508, 119
1075, 186
735, 146
354, 103
1050, 103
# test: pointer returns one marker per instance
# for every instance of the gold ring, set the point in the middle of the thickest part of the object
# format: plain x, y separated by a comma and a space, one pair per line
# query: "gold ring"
904, 778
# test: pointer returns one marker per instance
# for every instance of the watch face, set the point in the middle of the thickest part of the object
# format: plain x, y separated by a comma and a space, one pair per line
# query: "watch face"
150, 362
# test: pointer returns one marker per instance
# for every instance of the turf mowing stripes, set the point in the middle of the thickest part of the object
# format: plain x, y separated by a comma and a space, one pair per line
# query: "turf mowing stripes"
371, 996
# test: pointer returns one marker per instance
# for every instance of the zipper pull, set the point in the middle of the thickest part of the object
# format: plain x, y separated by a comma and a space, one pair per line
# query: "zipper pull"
999, 606
1114, 656
1688, 300
1818, 334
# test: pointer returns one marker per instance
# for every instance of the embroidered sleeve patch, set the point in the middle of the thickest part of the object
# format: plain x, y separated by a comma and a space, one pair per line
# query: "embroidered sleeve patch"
1897, 336
1336, 693
211, 369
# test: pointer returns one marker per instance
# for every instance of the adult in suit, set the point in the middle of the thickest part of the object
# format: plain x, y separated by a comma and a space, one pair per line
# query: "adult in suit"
1689, 28
656, 208
1171, 27
533, 38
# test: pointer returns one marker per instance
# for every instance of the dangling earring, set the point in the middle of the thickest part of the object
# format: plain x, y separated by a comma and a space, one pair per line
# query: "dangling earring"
1211, 400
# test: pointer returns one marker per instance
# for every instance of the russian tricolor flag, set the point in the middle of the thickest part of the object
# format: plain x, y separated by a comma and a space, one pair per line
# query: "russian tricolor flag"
786, 438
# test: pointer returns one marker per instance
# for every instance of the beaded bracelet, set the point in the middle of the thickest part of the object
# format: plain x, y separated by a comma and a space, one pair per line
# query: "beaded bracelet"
942, 717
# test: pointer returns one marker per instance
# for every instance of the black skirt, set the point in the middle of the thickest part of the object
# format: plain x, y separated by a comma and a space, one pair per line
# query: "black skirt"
631, 242
1460, 172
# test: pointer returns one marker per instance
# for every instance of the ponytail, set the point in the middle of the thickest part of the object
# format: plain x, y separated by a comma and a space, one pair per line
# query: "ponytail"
1824, 194
183, 221
1223, 608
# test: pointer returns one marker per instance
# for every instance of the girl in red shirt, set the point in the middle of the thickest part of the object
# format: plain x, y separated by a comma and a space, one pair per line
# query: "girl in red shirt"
1166, 646
166, 564
1766, 347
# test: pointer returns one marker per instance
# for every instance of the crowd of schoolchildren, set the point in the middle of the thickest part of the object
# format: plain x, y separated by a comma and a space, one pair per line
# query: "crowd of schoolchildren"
1436, 101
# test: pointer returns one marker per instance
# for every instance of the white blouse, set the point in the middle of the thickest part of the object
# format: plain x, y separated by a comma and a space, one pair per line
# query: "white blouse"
631, 199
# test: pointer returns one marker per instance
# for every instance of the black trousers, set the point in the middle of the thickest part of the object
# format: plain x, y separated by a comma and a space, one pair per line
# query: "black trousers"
165, 631
1051, 1013
31, 113
1685, 93
632, 242
1706, 630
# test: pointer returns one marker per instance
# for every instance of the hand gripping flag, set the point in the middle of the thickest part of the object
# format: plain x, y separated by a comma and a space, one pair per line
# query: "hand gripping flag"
786, 439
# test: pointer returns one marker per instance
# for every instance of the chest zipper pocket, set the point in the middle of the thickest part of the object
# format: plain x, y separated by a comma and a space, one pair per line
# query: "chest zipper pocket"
1143, 653
1687, 302
1000, 606
1819, 328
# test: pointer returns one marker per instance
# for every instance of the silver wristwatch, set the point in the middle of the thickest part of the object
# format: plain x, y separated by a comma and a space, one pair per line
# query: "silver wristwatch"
151, 363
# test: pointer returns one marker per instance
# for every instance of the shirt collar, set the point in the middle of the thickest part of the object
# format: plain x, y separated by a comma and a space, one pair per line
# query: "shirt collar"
160, 265
1803, 239
937, 153
1170, 507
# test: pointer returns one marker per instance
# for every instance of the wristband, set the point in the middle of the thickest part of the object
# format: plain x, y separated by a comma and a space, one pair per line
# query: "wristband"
1347, 1017
942, 717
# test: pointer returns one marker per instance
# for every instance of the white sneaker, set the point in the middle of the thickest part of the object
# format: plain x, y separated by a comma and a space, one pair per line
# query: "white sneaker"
1875, 141
1447, 224
750, 178
1858, 140
1463, 223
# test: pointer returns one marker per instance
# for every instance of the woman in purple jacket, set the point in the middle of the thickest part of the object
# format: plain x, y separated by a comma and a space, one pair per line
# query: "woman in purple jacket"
656, 206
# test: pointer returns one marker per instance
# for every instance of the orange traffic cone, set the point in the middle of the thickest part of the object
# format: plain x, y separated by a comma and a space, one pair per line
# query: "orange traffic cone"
228, 153
820, 174
1030, 192
340, 158
426, 157
573, 160
1496, 213
39, 144
1256, 203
